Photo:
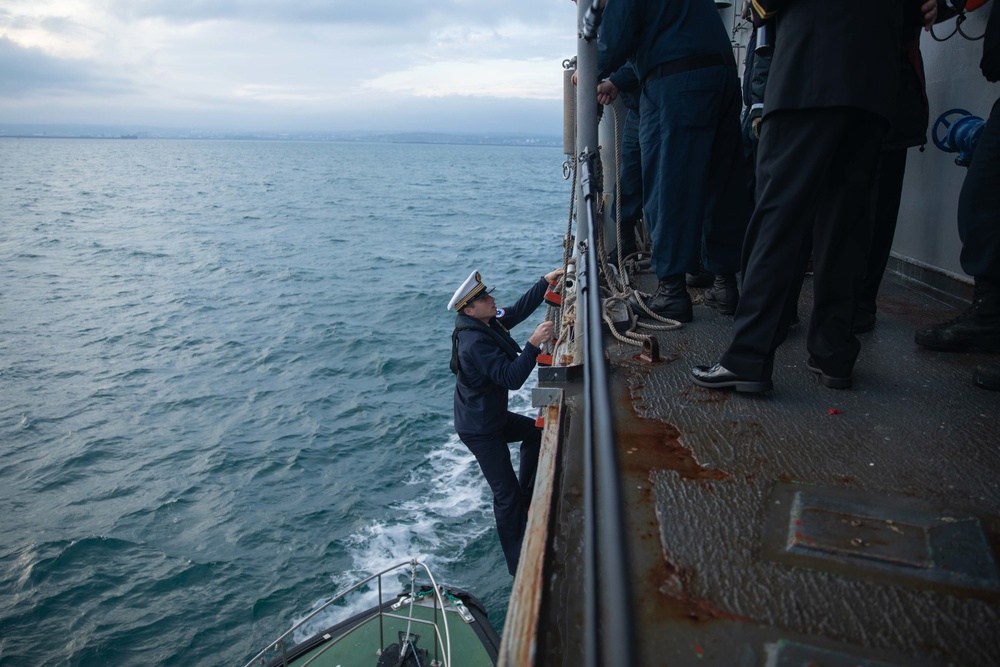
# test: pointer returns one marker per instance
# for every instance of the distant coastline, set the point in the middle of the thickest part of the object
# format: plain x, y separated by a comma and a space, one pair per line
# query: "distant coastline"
112, 132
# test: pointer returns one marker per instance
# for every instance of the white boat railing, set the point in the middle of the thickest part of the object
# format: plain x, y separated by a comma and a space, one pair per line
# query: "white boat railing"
281, 644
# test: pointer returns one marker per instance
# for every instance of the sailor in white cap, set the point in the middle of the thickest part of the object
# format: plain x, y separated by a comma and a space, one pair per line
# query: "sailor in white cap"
488, 363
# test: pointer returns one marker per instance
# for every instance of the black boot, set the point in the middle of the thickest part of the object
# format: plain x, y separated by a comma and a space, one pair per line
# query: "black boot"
671, 299
978, 327
723, 295
987, 376
701, 279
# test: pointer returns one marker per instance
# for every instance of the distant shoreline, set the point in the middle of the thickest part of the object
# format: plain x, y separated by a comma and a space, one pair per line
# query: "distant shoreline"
317, 137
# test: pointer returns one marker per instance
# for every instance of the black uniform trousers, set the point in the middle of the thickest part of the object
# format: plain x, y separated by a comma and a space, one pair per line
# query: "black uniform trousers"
887, 192
815, 171
979, 204
511, 494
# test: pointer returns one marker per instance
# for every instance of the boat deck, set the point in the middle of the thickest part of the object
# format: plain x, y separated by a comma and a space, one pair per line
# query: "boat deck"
807, 525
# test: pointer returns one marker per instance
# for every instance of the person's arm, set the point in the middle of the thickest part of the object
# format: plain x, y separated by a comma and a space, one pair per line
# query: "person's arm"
529, 301
758, 84
615, 41
494, 364
625, 78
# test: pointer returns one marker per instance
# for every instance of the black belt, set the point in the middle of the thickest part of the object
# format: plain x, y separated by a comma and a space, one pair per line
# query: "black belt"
688, 64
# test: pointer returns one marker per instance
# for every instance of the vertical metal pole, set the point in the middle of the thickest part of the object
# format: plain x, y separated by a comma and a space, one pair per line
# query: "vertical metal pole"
586, 97
381, 638
586, 140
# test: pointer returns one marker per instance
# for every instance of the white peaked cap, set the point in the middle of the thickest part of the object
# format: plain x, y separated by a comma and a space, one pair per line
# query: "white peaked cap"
470, 289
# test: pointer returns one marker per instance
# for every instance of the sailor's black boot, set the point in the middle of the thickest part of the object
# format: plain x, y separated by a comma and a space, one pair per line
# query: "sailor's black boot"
671, 299
978, 327
723, 295
701, 279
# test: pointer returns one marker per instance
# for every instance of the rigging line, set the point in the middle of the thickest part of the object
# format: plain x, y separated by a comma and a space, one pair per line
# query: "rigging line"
626, 288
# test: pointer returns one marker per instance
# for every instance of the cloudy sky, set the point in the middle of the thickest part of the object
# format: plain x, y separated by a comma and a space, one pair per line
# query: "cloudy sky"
286, 65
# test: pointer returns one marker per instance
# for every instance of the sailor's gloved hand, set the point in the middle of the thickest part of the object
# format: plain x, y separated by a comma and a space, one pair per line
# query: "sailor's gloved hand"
543, 333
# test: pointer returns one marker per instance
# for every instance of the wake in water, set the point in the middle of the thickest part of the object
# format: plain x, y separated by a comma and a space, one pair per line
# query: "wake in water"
453, 510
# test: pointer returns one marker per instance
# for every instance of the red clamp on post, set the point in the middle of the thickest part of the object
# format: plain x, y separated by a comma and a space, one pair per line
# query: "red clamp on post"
540, 420
544, 359
552, 297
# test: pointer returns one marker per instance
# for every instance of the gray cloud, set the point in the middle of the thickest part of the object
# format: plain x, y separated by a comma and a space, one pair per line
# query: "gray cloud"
380, 12
304, 11
27, 70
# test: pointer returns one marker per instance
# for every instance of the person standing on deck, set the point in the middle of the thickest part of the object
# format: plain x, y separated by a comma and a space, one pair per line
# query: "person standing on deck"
829, 99
978, 327
488, 363
694, 179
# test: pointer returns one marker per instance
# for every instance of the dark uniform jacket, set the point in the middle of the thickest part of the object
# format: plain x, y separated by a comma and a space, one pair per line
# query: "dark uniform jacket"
488, 363
856, 36
657, 32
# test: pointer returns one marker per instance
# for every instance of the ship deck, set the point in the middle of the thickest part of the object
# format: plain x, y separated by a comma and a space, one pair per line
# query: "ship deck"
804, 526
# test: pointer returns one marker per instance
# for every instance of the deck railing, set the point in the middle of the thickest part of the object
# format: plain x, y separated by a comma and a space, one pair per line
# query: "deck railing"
281, 644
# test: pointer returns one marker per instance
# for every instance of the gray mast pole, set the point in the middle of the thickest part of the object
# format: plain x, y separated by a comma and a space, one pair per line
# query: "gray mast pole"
586, 142
586, 96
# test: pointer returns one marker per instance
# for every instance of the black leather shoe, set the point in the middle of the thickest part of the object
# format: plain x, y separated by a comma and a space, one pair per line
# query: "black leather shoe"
718, 377
723, 295
671, 300
831, 381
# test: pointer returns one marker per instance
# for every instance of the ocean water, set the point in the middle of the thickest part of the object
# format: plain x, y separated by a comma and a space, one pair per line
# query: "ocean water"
224, 385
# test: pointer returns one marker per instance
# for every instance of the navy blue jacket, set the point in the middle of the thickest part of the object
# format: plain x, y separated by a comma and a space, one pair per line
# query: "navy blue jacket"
490, 363
655, 32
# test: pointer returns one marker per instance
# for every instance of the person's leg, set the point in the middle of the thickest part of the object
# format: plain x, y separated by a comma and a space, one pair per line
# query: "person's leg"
522, 429
886, 194
630, 174
841, 239
794, 150
678, 122
978, 327
979, 205
728, 208
493, 455
798, 152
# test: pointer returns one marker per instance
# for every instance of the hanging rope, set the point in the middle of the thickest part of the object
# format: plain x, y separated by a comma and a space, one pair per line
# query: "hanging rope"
619, 286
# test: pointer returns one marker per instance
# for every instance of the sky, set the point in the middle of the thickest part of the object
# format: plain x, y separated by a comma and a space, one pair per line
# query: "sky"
288, 65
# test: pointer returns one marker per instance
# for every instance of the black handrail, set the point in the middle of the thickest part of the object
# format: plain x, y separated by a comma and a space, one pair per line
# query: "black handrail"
608, 613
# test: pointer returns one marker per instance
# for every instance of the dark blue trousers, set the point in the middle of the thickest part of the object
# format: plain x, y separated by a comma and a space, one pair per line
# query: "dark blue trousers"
511, 493
979, 205
630, 174
694, 176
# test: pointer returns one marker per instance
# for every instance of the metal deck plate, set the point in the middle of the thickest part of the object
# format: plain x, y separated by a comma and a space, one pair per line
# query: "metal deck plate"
866, 535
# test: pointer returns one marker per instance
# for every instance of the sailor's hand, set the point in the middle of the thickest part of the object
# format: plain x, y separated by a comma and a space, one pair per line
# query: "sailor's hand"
606, 92
543, 333
928, 12
553, 275
755, 126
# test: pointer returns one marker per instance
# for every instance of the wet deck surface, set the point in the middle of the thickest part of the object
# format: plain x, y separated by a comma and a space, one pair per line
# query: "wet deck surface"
810, 525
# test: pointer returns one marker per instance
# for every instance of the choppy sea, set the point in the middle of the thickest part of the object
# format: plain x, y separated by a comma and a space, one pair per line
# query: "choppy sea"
224, 384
